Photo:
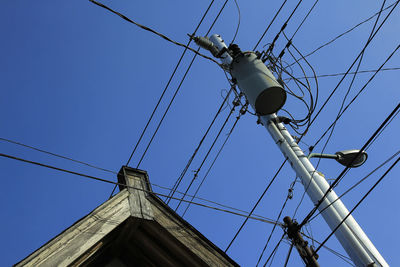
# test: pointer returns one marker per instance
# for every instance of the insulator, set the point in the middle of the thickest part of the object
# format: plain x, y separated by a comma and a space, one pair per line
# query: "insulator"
205, 43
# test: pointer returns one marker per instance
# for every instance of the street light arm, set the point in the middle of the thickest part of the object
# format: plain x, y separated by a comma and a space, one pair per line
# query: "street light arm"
325, 156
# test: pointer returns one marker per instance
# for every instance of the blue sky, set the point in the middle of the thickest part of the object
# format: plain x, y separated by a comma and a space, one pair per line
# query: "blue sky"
81, 82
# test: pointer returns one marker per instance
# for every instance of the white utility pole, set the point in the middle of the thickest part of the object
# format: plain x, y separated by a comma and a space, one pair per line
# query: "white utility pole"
267, 96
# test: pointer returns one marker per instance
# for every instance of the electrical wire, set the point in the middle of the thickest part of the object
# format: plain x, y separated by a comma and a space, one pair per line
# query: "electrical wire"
255, 206
353, 79
358, 203
215, 158
332, 126
311, 213
153, 31
354, 62
327, 100
275, 249
338, 117
288, 255
273, 228
271, 46
272, 21
342, 73
356, 184
56, 155
206, 156
135, 188
178, 88
298, 28
238, 24
179, 180
356, 96
346, 32
168, 83
339, 255
113, 172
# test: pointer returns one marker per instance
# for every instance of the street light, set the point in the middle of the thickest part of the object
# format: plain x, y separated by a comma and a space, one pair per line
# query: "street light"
350, 158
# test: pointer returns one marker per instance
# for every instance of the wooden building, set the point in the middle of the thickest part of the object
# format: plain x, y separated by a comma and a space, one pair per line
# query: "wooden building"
133, 228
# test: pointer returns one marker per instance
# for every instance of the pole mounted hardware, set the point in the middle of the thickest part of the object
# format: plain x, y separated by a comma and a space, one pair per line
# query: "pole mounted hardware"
306, 252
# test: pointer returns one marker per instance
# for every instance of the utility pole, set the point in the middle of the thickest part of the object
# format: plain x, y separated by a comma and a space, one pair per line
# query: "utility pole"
267, 96
306, 252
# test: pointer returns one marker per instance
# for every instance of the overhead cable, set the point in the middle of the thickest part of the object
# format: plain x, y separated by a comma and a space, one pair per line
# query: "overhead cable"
243, 111
178, 88
178, 181
334, 252
274, 250
354, 62
56, 155
342, 73
113, 172
344, 33
318, 204
153, 31
168, 83
271, 46
333, 125
139, 189
272, 21
356, 96
358, 203
339, 116
255, 206
356, 184
196, 172
273, 228
298, 28
238, 24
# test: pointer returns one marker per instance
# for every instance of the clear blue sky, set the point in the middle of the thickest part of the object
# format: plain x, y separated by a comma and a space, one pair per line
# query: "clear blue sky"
79, 81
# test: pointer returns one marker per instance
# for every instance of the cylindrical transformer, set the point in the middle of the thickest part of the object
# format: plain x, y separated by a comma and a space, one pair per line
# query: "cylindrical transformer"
254, 79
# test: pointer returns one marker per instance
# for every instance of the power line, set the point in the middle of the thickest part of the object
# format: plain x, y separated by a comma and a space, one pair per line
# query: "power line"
343, 73
153, 31
344, 33
354, 62
113, 172
356, 184
353, 79
238, 24
206, 156
275, 249
362, 199
178, 181
346, 168
271, 46
139, 189
288, 255
178, 88
356, 96
273, 19
333, 125
301, 24
339, 255
56, 155
168, 83
339, 116
273, 228
255, 206
216, 157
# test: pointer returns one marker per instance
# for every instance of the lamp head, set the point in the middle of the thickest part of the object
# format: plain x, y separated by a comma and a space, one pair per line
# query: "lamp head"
350, 159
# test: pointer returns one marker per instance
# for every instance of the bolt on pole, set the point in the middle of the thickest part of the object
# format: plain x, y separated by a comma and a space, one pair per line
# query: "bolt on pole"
267, 96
